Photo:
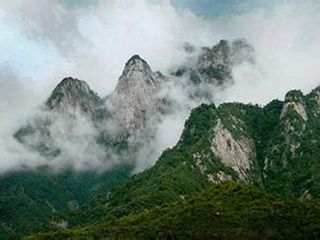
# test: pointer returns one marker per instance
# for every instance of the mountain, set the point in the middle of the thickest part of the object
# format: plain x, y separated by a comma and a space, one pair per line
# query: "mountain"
70, 104
56, 187
226, 211
72, 93
211, 67
135, 100
272, 147
137, 103
75, 129
218, 144
238, 170
291, 163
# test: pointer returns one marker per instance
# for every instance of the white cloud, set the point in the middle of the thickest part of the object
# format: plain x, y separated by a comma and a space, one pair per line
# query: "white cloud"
286, 40
43, 41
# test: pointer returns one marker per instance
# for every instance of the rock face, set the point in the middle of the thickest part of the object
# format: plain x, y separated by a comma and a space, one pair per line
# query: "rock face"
134, 100
291, 166
212, 68
236, 154
214, 65
292, 127
275, 147
73, 93
294, 102
71, 105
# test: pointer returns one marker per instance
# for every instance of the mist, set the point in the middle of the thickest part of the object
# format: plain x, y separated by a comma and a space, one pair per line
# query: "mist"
43, 42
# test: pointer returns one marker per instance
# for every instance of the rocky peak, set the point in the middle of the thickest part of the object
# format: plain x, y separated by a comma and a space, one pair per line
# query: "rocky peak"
294, 101
314, 98
136, 62
221, 52
70, 98
135, 96
213, 65
137, 78
294, 96
73, 93
216, 56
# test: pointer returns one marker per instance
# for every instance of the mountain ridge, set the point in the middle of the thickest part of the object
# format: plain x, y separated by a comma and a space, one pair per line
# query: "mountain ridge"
230, 142
73, 103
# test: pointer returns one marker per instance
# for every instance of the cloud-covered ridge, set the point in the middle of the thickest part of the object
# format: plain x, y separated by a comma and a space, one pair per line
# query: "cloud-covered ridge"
42, 43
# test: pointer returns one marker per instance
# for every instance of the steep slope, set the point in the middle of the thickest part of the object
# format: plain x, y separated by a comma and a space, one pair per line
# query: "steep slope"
218, 144
74, 117
227, 211
274, 147
71, 104
76, 128
135, 101
66, 123
292, 161
74, 93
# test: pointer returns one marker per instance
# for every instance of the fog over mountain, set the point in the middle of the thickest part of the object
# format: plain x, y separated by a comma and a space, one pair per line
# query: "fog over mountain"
42, 43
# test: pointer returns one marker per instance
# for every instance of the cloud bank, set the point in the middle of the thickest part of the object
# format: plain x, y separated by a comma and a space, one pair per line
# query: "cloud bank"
42, 42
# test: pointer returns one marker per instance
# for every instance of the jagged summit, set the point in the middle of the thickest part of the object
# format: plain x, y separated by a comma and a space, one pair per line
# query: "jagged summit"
217, 55
135, 59
136, 72
213, 65
294, 96
294, 103
136, 76
71, 92
135, 95
70, 84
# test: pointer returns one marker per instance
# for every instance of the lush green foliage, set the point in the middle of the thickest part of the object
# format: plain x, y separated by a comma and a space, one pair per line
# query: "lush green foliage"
228, 211
176, 174
30, 200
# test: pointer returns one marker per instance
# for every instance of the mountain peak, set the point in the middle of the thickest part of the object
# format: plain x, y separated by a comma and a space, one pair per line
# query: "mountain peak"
222, 50
294, 100
136, 63
137, 72
135, 95
71, 84
294, 96
135, 59
72, 92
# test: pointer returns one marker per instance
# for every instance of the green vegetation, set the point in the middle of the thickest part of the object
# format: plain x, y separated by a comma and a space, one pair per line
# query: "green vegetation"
30, 200
163, 202
183, 171
227, 211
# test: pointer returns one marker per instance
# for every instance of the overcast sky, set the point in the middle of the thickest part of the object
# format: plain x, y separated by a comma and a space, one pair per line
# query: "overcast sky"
42, 42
